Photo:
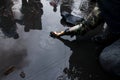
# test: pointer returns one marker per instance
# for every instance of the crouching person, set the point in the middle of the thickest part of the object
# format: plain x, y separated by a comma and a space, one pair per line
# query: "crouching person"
94, 19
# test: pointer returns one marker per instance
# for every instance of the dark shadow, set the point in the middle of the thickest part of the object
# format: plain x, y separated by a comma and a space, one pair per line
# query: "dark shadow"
83, 63
33, 12
7, 24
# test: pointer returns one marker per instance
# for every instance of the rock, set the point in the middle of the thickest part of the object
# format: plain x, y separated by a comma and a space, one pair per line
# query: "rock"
110, 58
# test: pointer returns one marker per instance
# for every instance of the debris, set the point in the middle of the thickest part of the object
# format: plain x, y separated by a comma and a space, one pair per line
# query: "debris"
90, 75
22, 74
66, 70
9, 70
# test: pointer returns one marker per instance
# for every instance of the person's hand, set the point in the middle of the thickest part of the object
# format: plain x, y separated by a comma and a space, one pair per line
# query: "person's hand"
56, 34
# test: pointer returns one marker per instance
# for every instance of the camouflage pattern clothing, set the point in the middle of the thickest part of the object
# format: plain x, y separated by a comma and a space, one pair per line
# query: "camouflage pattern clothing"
93, 20
108, 10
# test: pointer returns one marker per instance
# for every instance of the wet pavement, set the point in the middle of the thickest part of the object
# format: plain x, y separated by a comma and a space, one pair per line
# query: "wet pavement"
37, 56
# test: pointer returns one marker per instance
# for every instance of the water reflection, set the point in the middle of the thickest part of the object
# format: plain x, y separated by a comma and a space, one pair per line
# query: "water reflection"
7, 22
54, 4
84, 56
75, 11
65, 7
12, 57
33, 12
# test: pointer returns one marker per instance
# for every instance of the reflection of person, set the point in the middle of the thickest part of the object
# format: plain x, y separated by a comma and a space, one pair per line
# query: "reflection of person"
5, 6
32, 15
7, 24
108, 11
83, 62
24, 2
54, 3
93, 20
73, 12
66, 6
109, 15
31, 3
65, 10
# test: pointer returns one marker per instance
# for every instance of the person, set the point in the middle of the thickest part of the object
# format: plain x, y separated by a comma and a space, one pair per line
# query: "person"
103, 12
91, 22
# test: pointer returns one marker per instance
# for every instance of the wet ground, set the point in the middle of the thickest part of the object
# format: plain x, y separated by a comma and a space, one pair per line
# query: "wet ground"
37, 56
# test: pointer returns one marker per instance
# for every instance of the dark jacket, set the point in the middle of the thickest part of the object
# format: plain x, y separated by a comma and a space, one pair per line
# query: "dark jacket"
110, 10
